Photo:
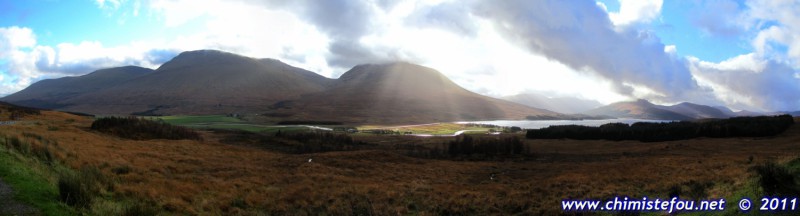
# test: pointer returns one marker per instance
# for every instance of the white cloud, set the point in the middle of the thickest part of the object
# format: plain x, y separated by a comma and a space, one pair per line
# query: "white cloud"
247, 29
635, 11
13, 41
748, 62
178, 12
671, 49
580, 35
24, 61
15, 37
109, 4
778, 27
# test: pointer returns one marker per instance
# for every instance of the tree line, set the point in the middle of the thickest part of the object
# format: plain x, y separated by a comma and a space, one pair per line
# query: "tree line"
142, 129
471, 147
17, 112
312, 142
759, 126
488, 146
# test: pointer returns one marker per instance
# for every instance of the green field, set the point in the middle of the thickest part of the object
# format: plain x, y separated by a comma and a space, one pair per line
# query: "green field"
224, 122
203, 119
248, 127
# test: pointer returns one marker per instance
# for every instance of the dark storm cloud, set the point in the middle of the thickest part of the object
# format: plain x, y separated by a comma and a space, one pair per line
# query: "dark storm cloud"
451, 16
345, 22
774, 87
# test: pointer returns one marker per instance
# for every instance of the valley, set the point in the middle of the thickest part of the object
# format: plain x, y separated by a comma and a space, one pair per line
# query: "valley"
229, 172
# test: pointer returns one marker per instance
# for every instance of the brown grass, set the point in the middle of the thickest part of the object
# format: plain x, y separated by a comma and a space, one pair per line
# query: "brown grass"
209, 177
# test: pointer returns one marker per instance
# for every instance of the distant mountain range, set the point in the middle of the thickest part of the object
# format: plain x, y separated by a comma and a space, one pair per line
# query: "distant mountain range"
568, 105
215, 82
643, 109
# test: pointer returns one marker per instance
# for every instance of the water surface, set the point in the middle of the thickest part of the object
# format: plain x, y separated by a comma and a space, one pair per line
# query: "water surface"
536, 124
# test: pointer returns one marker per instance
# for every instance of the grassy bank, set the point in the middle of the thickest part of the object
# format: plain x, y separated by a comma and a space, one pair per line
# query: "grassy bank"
33, 166
34, 181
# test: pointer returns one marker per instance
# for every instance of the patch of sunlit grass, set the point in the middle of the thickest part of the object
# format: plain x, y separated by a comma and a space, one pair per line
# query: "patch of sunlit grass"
435, 129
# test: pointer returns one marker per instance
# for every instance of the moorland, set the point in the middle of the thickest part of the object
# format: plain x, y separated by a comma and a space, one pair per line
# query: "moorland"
60, 164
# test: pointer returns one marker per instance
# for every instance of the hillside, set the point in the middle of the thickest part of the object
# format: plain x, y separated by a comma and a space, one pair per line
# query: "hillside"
54, 93
557, 104
697, 111
195, 82
640, 109
215, 82
401, 92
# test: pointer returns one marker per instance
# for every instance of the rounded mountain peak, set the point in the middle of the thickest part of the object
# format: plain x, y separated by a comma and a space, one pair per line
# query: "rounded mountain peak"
643, 102
198, 56
392, 69
203, 52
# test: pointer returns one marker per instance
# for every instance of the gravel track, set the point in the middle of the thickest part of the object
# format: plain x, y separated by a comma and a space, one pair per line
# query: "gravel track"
8, 206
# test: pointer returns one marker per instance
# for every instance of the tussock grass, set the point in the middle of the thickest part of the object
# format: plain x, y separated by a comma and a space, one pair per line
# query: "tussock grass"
218, 178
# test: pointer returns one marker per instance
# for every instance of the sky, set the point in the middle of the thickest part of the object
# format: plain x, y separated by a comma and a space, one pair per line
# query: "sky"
736, 53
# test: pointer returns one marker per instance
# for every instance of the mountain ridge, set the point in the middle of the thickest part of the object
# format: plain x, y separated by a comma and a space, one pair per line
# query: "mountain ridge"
54, 93
643, 109
195, 82
216, 82
400, 90
567, 105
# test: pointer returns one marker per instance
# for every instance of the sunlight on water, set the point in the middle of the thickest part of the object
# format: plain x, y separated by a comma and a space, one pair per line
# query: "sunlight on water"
536, 124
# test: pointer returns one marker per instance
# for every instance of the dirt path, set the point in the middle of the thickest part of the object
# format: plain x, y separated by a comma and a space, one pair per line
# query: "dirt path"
8, 206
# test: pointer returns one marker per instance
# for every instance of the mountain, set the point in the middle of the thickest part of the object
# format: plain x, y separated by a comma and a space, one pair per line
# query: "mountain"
697, 111
725, 110
400, 92
557, 104
640, 109
643, 109
750, 113
194, 82
53, 93
215, 82
728, 112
